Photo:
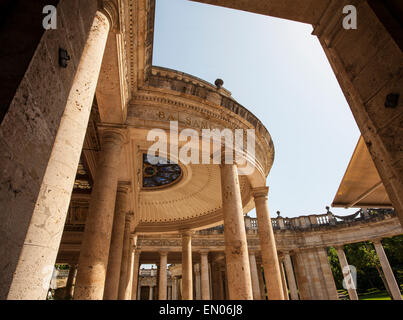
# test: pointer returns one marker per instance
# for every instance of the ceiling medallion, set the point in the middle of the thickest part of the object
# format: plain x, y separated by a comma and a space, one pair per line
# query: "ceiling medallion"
159, 172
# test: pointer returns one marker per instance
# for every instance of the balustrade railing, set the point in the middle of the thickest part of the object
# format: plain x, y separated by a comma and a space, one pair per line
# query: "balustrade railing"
308, 222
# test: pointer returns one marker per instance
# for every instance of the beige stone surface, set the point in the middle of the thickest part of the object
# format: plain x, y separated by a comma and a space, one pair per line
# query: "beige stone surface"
41, 241
125, 270
268, 246
254, 276
187, 278
205, 279
115, 251
96, 241
162, 285
236, 247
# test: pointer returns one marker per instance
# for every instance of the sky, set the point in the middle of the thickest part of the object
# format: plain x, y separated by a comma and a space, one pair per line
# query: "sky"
278, 71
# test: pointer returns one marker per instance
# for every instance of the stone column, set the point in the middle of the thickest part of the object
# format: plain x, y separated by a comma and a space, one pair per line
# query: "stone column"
284, 281
150, 293
261, 282
138, 297
94, 250
174, 288
205, 279
115, 251
254, 276
187, 283
236, 247
270, 262
327, 274
70, 281
347, 274
135, 278
28, 266
130, 267
124, 274
387, 270
197, 281
290, 276
162, 288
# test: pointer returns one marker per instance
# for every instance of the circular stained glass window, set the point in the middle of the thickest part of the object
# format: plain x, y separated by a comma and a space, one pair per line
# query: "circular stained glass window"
159, 172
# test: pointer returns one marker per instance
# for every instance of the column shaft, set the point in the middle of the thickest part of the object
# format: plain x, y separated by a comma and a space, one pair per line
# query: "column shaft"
205, 279
197, 281
236, 248
150, 293
284, 281
174, 288
254, 276
261, 282
33, 270
387, 270
187, 279
70, 281
135, 284
124, 272
115, 251
94, 252
291, 277
162, 288
347, 274
270, 261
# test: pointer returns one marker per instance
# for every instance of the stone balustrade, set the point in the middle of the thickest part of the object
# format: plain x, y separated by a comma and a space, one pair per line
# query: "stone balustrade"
314, 221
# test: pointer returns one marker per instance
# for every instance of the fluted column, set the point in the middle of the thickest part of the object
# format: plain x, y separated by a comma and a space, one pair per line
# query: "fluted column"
205, 279
352, 293
270, 262
116, 246
124, 274
27, 266
135, 279
284, 281
94, 252
162, 287
187, 279
254, 276
387, 270
70, 281
290, 276
236, 248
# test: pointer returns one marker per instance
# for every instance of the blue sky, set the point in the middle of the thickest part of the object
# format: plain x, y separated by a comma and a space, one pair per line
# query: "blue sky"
277, 70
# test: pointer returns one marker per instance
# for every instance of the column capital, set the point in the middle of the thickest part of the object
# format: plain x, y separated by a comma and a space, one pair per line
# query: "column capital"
204, 252
112, 132
186, 233
163, 252
108, 8
252, 252
260, 192
124, 186
377, 241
